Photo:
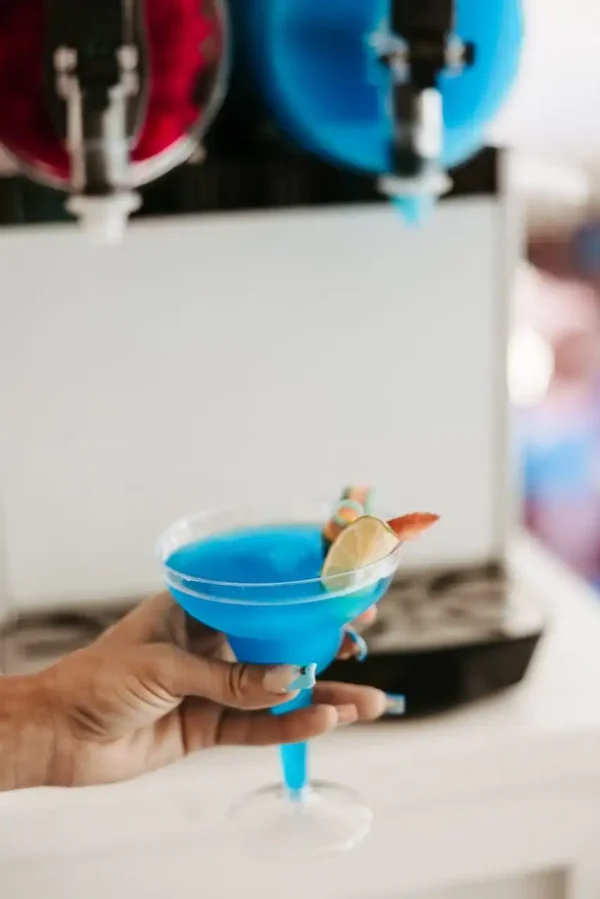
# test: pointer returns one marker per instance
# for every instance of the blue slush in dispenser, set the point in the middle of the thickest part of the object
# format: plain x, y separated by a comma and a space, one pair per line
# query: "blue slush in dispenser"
400, 89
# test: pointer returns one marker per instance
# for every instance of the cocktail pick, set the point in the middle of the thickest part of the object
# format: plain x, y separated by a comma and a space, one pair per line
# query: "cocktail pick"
360, 494
354, 502
347, 512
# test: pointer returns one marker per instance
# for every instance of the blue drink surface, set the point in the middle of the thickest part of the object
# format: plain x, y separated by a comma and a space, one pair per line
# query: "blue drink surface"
268, 554
260, 586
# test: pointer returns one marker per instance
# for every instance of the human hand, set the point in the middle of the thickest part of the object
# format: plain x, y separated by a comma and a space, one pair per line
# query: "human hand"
158, 686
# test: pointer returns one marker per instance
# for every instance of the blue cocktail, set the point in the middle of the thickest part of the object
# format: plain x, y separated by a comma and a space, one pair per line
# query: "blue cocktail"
255, 575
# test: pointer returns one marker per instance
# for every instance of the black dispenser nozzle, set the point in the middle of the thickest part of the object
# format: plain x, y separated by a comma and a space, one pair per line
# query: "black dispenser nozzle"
420, 44
95, 84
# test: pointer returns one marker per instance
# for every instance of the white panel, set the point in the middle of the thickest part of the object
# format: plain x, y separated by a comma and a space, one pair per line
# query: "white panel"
211, 358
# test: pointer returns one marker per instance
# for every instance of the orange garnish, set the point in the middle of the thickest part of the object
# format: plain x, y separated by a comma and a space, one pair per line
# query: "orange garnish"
409, 527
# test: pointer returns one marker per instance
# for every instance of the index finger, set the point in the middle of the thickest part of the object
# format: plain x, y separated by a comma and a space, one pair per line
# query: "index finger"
262, 729
370, 703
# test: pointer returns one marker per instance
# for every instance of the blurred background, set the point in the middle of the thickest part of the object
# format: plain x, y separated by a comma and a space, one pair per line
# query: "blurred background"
554, 371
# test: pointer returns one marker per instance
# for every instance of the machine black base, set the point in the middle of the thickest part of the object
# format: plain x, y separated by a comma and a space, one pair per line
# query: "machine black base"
436, 680
446, 639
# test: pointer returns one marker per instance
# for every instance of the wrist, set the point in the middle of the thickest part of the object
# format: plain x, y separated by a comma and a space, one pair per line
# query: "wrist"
26, 733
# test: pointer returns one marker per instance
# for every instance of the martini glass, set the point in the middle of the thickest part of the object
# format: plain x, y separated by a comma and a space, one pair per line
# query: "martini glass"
253, 573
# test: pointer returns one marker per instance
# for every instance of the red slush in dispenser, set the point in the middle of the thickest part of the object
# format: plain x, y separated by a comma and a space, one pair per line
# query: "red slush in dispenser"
102, 96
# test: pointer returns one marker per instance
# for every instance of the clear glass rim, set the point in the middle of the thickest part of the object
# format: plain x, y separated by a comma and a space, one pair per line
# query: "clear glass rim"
387, 563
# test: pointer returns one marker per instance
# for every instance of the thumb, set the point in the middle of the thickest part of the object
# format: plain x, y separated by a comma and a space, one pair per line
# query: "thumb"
236, 685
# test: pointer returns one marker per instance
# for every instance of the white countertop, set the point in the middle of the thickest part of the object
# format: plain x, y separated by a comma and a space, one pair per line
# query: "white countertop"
507, 786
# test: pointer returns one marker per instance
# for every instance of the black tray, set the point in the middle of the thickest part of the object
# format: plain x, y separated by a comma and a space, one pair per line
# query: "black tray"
445, 639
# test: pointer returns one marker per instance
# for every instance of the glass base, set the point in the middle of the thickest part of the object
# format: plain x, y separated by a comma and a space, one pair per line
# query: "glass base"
323, 818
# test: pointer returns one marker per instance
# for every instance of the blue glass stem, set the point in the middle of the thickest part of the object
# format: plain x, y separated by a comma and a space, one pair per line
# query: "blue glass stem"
294, 756
316, 646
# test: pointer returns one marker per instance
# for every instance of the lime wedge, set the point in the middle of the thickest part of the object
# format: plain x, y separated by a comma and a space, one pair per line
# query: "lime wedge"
364, 542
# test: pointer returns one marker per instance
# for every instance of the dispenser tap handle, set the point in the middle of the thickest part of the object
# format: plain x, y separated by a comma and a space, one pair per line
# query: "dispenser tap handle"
421, 44
95, 65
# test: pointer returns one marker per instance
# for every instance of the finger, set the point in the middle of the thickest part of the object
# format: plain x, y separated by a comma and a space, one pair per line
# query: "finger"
203, 640
150, 620
158, 618
161, 619
369, 702
353, 647
237, 729
182, 674
367, 618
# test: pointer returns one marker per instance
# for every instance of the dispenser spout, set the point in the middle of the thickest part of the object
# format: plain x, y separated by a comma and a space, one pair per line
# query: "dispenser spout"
97, 58
418, 45
104, 219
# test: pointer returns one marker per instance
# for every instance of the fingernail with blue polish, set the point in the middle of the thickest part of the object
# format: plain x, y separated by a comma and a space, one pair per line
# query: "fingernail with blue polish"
289, 678
306, 678
361, 650
396, 704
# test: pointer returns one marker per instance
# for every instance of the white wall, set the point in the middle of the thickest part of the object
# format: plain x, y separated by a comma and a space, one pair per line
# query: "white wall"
553, 110
213, 358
